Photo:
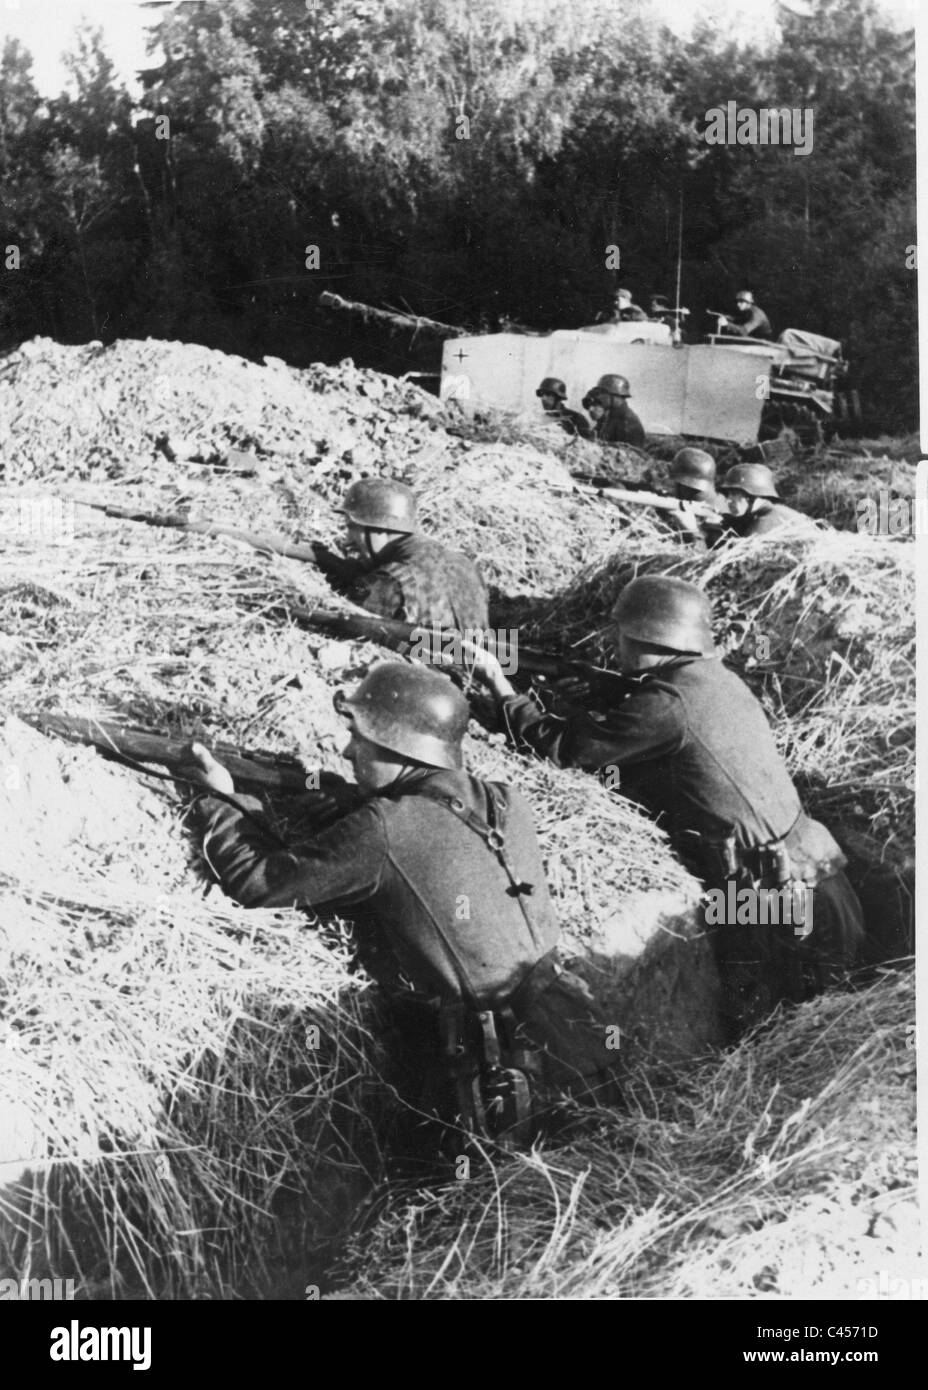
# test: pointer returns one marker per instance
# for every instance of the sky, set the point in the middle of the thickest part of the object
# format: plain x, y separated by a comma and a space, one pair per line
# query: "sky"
46, 26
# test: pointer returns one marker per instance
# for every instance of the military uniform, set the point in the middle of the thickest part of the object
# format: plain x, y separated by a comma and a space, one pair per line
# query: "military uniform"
419, 580
445, 913
749, 323
620, 427
775, 517
571, 421
693, 746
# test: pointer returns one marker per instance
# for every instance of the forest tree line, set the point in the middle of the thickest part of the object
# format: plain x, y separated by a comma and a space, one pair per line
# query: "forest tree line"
468, 162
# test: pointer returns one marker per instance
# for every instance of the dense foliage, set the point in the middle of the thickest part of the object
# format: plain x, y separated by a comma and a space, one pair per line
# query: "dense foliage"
467, 162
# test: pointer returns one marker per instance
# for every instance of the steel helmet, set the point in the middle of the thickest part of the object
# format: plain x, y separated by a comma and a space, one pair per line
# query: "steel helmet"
552, 386
409, 710
613, 385
694, 468
744, 294
380, 504
666, 612
755, 479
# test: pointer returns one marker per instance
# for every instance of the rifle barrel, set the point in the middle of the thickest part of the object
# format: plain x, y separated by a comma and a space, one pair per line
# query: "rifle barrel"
277, 774
268, 543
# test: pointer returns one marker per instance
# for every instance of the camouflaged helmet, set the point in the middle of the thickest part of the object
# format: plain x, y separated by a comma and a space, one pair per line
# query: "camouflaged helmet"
380, 504
666, 612
409, 710
613, 385
755, 479
552, 386
695, 469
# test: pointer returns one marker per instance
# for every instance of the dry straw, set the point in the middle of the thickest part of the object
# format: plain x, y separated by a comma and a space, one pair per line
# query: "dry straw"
185, 1138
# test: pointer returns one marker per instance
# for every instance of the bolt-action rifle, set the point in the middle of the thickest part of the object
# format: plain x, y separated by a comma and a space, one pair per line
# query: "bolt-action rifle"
251, 772
641, 498
443, 646
268, 543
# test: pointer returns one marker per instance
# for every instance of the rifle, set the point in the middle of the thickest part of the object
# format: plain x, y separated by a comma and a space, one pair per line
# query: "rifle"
431, 643
268, 543
644, 498
251, 772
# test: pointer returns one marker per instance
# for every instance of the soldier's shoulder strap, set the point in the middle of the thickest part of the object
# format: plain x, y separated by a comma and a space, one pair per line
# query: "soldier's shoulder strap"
491, 832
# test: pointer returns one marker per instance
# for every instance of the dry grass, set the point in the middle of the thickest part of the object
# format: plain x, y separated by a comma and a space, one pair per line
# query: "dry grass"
156, 1071
750, 1177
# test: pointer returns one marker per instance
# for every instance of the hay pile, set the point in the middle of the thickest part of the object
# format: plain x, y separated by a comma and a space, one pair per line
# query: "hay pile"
785, 1170
150, 1035
136, 1011
161, 418
186, 1018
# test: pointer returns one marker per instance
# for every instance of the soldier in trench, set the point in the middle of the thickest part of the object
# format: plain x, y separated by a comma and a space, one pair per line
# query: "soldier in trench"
692, 745
447, 871
397, 572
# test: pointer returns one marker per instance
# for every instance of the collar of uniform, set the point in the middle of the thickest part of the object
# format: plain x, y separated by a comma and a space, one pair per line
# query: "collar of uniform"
395, 550
684, 659
416, 779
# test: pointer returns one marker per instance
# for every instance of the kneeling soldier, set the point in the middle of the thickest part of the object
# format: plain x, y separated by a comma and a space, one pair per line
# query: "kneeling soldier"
448, 870
397, 572
692, 745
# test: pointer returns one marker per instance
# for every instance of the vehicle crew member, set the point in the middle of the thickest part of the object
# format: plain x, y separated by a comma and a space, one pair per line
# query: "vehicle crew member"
622, 310
553, 396
692, 745
399, 573
755, 505
618, 423
447, 870
748, 320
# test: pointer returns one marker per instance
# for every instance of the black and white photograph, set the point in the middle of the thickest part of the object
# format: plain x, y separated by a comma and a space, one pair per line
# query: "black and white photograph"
459, 517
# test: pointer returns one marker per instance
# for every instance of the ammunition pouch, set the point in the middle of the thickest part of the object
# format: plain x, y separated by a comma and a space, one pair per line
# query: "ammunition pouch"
494, 1077
806, 854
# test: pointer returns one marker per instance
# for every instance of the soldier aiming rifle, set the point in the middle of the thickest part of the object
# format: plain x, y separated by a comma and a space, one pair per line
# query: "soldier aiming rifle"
448, 869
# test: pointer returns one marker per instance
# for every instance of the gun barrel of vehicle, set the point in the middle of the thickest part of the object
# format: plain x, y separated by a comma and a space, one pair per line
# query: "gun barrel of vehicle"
388, 318
249, 771
268, 543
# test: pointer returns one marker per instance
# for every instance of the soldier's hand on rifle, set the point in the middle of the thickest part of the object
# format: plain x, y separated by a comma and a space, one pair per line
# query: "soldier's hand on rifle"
204, 769
486, 670
687, 518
